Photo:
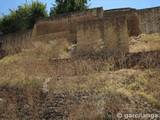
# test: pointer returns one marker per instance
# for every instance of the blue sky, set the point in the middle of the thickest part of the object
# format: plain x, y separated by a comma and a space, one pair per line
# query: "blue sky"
106, 4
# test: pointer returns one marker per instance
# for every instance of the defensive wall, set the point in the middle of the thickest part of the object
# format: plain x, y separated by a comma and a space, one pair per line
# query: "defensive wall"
105, 36
139, 21
95, 31
64, 25
149, 20
13, 42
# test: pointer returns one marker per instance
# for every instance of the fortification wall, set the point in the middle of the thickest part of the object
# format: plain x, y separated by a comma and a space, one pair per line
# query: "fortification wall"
13, 42
133, 22
149, 20
139, 21
119, 12
103, 36
51, 25
65, 22
94, 30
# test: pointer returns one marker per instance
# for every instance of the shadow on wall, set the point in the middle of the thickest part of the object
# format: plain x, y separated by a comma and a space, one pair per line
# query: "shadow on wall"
2, 51
133, 25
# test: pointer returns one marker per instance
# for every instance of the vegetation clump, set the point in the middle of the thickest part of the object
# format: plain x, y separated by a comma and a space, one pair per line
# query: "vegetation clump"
26, 15
22, 18
65, 6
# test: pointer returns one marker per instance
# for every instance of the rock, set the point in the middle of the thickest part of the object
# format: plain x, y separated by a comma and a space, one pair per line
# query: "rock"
3, 103
26, 106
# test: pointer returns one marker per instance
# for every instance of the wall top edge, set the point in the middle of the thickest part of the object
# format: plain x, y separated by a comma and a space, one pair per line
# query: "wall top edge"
66, 15
119, 9
150, 8
130, 9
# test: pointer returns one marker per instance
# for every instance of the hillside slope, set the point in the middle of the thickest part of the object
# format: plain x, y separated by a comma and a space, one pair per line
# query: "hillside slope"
35, 85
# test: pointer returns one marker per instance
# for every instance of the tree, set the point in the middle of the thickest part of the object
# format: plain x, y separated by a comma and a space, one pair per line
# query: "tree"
22, 18
65, 6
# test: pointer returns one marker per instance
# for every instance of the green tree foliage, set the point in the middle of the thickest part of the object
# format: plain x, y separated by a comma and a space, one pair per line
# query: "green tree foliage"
22, 18
65, 6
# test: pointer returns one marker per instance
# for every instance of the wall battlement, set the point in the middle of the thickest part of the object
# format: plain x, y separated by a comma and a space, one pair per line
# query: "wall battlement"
95, 31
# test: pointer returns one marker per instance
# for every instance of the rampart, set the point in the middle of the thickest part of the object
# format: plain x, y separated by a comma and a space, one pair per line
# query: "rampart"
143, 20
149, 20
13, 42
132, 19
94, 31
105, 36
65, 24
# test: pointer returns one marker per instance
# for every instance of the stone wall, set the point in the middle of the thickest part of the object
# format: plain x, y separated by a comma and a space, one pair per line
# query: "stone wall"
142, 21
95, 30
149, 20
51, 28
65, 22
12, 42
132, 17
103, 36
133, 25
119, 12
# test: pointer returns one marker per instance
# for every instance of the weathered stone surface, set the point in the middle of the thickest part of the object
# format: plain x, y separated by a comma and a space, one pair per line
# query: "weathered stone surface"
104, 32
103, 36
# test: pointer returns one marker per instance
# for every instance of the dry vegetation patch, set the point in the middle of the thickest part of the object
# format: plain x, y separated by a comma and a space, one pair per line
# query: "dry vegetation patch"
125, 88
145, 42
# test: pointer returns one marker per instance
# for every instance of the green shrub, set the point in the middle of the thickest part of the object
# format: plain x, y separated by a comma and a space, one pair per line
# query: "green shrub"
22, 18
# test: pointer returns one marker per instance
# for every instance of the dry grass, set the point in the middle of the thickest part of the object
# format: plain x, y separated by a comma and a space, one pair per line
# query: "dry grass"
57, 49
144, 43
117, 87
119, 91
116, 91
38, 60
